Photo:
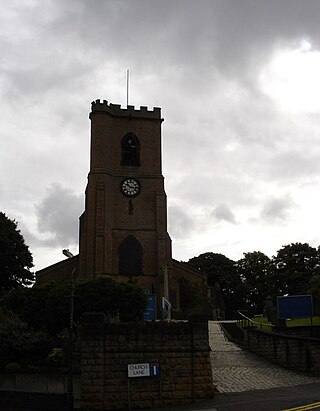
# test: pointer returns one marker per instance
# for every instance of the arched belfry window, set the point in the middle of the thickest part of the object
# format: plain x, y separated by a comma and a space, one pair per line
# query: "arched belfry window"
130, 150
130, 257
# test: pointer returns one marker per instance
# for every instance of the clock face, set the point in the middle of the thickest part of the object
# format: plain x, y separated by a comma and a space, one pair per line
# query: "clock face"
130, 187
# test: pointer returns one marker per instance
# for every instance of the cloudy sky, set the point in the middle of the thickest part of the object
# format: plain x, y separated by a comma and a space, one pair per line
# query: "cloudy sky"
239, 86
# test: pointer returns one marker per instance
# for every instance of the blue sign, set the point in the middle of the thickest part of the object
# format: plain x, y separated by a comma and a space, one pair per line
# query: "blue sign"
295, 306
150, 313
154, 369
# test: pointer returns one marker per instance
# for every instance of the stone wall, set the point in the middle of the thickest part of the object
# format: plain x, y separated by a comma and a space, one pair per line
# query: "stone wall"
293, 352
181, 349
31, 392
302, 331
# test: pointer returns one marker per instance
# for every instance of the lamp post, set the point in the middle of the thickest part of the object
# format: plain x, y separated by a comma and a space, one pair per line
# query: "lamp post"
69, 398
166, 306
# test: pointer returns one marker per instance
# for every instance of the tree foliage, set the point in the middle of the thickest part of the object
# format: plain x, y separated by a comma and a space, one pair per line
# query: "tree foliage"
314, 290
15, 257
18, 343
225, 283
46, 307
248, 282
294, 265
191, 295
254, 270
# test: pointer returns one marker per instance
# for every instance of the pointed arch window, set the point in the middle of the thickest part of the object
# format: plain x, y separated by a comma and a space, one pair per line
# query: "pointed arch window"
130, 257
130, 150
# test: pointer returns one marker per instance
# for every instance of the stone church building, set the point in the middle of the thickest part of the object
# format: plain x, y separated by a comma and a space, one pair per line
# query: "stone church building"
123, 230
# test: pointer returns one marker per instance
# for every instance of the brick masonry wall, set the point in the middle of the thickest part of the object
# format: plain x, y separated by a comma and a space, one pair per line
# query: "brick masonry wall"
293, 352
31, 401
182, 349
31, 392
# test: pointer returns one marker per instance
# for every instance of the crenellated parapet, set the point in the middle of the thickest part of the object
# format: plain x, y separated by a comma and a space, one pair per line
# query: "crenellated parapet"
130, 111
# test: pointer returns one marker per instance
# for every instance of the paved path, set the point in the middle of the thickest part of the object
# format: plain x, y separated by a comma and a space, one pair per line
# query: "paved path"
236, 370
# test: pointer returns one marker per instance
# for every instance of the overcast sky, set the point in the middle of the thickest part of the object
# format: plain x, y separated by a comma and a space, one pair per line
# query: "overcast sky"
239, 86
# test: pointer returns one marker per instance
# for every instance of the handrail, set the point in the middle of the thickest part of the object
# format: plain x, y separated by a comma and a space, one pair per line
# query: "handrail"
247, 322
244, 316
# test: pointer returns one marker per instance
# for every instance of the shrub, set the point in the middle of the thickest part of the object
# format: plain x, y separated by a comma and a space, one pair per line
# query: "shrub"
17, 343
46, 307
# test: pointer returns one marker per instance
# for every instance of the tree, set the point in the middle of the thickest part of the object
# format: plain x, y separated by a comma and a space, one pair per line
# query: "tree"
191, 296
15, 257
46, 307
20, 344
255, 271
293, 267
223, 279
314, 289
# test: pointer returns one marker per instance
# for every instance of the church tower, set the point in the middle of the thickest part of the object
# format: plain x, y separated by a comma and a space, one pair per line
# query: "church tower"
123, 231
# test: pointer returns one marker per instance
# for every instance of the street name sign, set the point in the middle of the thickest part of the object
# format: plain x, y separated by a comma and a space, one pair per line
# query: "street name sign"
144, 370
139, 370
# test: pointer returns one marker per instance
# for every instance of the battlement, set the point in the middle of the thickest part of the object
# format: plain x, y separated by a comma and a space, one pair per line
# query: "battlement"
130, 111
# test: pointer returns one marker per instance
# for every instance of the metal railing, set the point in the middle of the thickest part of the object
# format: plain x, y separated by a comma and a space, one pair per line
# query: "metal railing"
246, 322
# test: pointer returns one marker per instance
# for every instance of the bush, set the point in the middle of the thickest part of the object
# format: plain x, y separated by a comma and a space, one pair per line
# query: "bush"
46, 307
18, 344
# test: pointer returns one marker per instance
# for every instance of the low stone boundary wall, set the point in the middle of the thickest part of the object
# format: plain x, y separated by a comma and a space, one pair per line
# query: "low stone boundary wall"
302, 331
26, 401
293, 352
31, 392
181, 349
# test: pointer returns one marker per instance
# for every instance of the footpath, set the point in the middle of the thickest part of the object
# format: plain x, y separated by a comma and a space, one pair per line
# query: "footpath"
245, 382
237, 370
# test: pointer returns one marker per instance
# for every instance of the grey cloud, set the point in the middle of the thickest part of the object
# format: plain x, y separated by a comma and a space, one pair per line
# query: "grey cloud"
223, 213
181, 224
38, 57
247, 33
218, 185
294, 165
277, 209
32, 240
58, 214
192, 44
225, 142
232, 35
227, 34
